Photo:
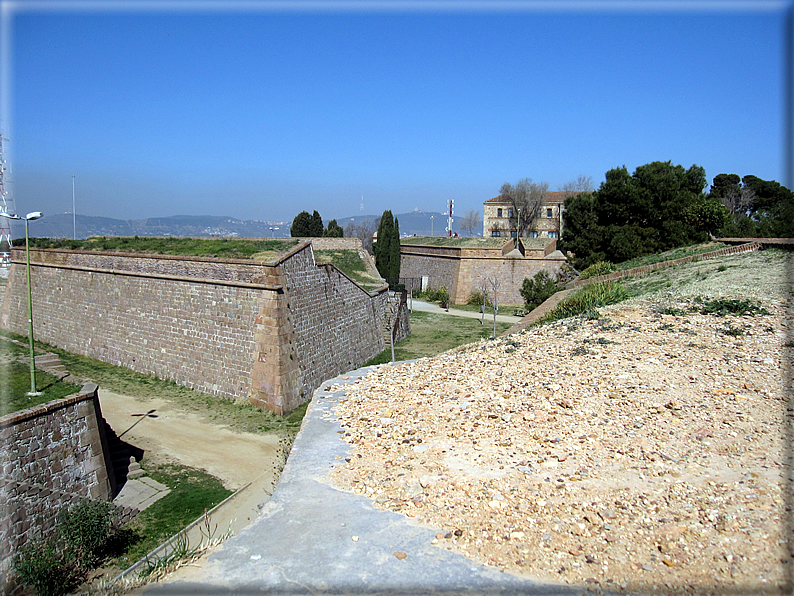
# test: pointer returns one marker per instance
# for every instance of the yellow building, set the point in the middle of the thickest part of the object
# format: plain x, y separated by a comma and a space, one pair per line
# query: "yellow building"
498, 213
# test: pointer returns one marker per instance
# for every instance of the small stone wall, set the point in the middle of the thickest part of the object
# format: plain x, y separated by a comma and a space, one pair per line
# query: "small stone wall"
53, 456
463, 270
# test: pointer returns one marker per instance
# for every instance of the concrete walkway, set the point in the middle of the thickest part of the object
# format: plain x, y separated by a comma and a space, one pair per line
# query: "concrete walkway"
435, 308
303, 542
140, 493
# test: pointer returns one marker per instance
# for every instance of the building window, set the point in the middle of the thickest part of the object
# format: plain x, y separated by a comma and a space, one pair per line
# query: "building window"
495, 233
552, 234
510, 212
498, 213
548, 211
533, 234
513, 234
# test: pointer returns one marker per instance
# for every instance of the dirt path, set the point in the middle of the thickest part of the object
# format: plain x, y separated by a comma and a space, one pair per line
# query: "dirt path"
167, 433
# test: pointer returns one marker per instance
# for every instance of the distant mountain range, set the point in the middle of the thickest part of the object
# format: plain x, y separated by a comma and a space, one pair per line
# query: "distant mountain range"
61, 225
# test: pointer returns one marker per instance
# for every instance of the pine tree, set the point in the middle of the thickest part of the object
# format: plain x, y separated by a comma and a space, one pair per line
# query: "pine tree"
334, 230
301, 225
316, 228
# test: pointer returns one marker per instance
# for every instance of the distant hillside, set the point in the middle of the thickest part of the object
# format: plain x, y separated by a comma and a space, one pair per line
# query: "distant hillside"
417, 223
60, 225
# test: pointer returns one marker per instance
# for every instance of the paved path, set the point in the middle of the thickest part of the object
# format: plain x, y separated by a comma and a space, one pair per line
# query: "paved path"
140, 493
428, 307
303, 542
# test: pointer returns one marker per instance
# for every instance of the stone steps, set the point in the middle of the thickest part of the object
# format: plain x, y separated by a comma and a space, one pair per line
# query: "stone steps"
51, 363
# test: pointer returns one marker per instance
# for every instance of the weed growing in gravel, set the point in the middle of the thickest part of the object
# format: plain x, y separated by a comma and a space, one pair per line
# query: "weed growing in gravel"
671, 310
730, 306
733, 331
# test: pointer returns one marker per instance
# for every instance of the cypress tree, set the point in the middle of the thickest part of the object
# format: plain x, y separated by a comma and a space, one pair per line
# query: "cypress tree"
394, 252
382, 247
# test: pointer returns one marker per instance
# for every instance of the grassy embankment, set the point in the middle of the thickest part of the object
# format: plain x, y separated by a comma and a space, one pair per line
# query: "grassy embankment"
708, 277
433, 333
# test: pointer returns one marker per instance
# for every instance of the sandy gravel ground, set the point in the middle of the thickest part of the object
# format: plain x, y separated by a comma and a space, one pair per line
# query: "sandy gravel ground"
641, 452
169, 434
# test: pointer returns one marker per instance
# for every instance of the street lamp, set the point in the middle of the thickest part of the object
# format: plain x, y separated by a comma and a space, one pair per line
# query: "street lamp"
27, 218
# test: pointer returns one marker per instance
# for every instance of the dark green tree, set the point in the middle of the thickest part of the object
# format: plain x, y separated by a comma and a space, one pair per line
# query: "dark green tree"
301, 225
394, 252
582, 235
382, 246
773, 207
757, 208
658, 207
334, 230
316, 227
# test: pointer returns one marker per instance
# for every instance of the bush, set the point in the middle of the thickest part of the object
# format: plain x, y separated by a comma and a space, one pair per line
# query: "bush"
86, 528
599, 268
435, 295
46, 568
478, 298
57, 565
587, 300
537, 290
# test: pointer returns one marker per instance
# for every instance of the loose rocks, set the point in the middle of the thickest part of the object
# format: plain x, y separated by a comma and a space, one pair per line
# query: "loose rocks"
651, 461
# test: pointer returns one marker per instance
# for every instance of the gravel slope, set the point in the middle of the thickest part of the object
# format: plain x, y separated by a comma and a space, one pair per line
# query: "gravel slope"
640, 452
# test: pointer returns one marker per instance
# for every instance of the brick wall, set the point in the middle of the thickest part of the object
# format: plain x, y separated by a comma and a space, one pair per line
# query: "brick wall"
139, 315
233, 328
53, 456
510, 273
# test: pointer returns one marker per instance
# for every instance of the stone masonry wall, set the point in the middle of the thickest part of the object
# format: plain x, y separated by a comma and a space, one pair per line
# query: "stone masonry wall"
337, 324
232, 270
510, 273
441, 270
237, 329
462, 271
196, 334
53, 456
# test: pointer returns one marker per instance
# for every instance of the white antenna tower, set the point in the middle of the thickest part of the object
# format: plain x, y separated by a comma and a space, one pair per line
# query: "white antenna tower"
362, 203
6, 206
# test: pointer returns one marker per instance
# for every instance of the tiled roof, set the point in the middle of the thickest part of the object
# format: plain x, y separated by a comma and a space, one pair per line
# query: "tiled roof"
553, 197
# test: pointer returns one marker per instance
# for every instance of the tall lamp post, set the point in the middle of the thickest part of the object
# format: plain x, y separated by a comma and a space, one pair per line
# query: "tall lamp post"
27, 218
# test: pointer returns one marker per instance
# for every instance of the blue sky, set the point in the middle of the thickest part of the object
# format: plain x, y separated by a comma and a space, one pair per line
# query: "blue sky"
258, 113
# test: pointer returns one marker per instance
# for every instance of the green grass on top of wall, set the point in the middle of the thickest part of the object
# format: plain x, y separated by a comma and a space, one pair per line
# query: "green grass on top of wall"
231, 248
351, 264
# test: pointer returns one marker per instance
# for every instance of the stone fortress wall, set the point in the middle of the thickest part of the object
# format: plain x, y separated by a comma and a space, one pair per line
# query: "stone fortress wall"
229, 327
